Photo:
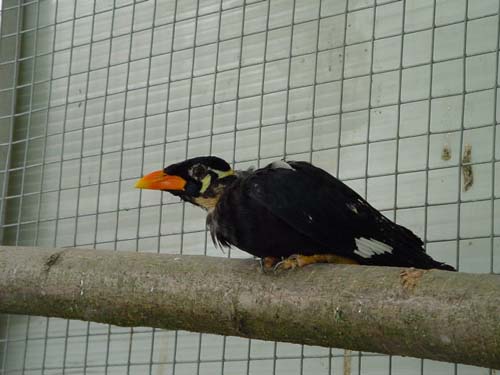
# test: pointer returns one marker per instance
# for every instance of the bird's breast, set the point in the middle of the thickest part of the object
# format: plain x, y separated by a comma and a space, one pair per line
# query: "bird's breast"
222, 234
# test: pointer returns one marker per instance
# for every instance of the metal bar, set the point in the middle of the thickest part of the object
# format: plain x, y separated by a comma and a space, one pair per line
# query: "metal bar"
100, 168
396, 161
367, 152
24, 168
240, 36
61, 176
493, 139
42, 174
5, 185
80, 184
151, 39
122, 148
427, 168
167, 107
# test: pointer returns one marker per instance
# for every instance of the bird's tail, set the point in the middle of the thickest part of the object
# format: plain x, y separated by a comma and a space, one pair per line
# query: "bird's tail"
443, 266
405, 239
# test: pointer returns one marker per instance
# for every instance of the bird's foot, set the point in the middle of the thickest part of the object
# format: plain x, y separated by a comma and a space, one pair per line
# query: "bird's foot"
292, 262
267, 263
297, 260
410, 277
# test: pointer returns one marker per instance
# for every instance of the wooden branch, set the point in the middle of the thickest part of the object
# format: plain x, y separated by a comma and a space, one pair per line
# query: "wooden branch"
439, 315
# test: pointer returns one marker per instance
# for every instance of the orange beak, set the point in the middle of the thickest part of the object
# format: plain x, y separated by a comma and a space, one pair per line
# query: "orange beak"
159, 180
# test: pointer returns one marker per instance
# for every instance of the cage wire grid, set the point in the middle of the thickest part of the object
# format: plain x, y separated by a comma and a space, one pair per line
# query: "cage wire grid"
94, 94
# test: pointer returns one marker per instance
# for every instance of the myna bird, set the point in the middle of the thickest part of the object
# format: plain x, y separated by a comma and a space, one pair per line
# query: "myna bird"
290, 214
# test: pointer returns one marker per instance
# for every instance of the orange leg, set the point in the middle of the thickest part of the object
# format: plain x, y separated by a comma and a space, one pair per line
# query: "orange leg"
268, 263
297, 260
410, 277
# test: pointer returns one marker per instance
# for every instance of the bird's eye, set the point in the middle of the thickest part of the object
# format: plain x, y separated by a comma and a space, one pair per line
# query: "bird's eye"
199, 171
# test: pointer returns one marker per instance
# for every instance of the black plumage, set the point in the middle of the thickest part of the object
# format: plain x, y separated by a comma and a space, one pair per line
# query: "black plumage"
290, 208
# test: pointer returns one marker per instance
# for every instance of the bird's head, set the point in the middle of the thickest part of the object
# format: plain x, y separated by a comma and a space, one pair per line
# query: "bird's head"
198, 180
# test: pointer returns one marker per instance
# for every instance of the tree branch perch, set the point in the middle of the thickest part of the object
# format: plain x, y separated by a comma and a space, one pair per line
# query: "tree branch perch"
433, 314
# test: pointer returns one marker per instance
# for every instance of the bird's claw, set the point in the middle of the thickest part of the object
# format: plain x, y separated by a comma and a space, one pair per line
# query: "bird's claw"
410, 277
268, 263
290, 263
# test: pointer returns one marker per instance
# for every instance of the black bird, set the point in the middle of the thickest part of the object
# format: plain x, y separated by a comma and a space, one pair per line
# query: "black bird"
289, 214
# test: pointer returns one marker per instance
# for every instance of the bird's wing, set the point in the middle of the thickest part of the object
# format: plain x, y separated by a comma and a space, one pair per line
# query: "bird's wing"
322, 208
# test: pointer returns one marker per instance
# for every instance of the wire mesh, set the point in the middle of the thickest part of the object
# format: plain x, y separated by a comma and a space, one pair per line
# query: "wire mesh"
385, 95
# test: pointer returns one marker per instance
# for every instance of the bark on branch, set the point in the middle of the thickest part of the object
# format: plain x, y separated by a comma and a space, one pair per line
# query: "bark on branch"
438, 315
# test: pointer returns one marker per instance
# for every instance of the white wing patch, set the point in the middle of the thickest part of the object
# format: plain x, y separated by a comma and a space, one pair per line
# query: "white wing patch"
280, 164
368, 247
352, 207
